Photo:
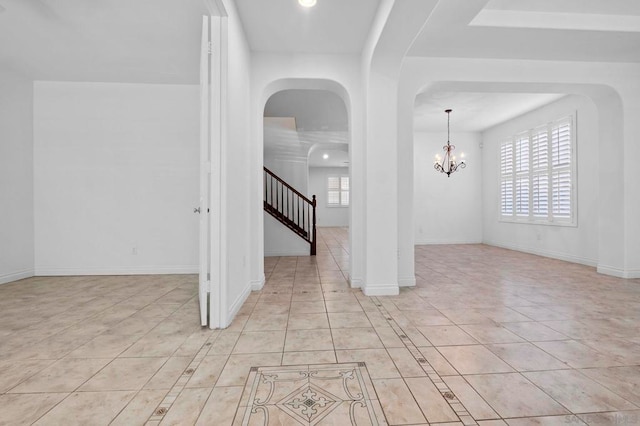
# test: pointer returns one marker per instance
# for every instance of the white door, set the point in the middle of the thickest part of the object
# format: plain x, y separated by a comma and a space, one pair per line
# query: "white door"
205, 174
212, 232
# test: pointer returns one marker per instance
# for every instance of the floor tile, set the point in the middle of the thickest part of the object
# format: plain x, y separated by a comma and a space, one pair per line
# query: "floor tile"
613, 418
473, 359
472, 401
187, 407
169, 373
437, 361
307, 321
356, 338
139, 409
405, 362
84, 408
65, 375
624, 381
308, 357
308, 340
433, 405
12, 372
348, 320
526, 357
577, 355
251, 342
512, 395
397, 402
208, 372
447, 335
490, 333
236, 370
547, 421
379, 363
534, 331
24, 409
577, 392
124, 374
221, 406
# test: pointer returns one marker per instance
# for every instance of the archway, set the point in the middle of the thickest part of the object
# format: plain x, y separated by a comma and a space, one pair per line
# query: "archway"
610, 228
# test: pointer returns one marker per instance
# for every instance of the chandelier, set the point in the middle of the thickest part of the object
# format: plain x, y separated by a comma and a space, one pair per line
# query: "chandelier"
448, 163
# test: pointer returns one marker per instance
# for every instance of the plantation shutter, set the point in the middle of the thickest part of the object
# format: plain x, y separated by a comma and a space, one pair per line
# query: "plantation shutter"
506, 170
522, 175
333, 191
344, 191
540, 170
561, 179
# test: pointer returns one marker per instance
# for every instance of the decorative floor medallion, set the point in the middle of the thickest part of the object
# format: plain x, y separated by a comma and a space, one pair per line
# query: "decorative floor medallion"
323, 394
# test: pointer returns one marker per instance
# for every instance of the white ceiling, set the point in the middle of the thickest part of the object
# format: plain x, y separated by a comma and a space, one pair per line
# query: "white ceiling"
331, 26
576, 30
157, 41
473, 111
314, 110
154, 41
337, 156
305, 124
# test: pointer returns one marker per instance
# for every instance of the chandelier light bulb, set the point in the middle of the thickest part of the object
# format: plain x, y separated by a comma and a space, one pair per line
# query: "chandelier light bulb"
307, 3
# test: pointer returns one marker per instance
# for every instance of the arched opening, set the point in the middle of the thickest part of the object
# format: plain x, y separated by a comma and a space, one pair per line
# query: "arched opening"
490, 113
306, 135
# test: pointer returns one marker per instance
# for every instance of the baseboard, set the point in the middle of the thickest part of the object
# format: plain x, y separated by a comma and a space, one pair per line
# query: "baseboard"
545, 253
237, 304
356, 282
617, 272
407, 281
15, 276
123, 270
429, 242
256, 285
381, 290
287, 253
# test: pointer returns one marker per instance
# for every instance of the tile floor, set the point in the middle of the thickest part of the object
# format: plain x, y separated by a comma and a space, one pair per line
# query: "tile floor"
488, 336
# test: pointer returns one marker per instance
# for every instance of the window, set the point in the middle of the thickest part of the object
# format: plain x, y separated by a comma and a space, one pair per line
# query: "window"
537, 170
338, 191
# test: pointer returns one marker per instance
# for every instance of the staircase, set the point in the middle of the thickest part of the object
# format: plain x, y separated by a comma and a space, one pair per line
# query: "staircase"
291, 208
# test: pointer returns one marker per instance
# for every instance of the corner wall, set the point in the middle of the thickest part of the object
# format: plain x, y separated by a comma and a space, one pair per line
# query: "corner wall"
327, 216
448, 210
116, 178
576, 244
16, 178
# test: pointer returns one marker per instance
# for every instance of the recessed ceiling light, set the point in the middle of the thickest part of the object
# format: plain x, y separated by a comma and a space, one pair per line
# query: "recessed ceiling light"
307, 3
325, 156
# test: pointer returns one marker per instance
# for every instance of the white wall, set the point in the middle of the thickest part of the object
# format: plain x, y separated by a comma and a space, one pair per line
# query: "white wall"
577, 244
16, 177
278, 239
448, 210
281, 241
237, 150
325, 215
116, 178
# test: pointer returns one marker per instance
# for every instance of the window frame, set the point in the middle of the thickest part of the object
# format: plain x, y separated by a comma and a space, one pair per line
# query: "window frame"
339, 190
532, 173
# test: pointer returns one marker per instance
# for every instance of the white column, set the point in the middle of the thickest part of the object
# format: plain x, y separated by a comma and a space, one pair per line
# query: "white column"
381, 204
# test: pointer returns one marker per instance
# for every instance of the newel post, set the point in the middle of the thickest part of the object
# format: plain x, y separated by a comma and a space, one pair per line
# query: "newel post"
313, 241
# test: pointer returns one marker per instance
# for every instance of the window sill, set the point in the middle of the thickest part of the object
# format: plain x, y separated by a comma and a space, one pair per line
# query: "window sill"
531, 221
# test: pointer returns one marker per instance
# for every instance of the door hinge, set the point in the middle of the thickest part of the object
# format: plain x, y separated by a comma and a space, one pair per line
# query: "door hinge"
210, 48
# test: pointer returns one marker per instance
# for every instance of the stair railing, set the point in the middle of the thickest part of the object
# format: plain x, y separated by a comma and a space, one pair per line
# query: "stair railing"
290, 207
